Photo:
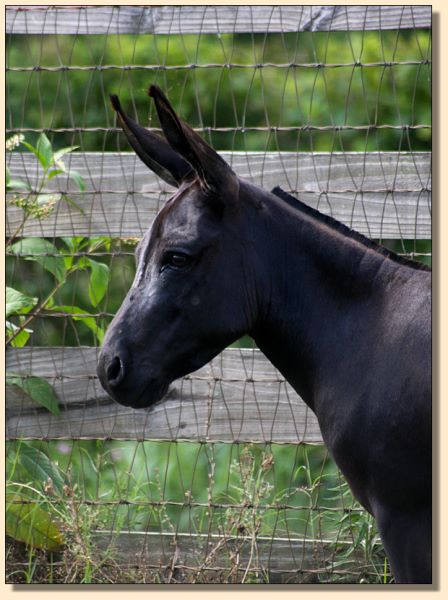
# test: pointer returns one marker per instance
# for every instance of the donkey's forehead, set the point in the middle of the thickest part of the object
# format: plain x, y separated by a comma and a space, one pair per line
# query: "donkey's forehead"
181, 212
183, 216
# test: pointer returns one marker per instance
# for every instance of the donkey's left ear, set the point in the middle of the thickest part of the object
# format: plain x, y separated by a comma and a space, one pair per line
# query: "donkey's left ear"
213, 171
153, 150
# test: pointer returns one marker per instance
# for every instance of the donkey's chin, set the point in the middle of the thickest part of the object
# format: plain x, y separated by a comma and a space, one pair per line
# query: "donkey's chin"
152, 393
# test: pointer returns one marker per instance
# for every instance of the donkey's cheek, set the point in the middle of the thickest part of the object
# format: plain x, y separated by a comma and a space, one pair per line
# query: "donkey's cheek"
195, 300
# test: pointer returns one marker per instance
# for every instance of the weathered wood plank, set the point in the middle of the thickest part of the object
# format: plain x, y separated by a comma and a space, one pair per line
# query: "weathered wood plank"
380, 194
210, 19
292, 560
239, 396
217, 558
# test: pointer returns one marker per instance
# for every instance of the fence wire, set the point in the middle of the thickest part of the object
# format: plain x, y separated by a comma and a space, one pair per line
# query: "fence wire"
227, 480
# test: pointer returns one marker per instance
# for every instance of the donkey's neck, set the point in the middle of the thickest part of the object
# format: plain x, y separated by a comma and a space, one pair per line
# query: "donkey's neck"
319, 285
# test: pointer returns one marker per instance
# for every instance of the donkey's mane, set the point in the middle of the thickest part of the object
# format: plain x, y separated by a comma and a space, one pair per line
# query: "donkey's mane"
346, 231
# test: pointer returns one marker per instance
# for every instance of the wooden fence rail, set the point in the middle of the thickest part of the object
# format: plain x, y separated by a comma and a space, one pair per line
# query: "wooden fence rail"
279, 560
48, 20
380, 194
238, 396
219, 558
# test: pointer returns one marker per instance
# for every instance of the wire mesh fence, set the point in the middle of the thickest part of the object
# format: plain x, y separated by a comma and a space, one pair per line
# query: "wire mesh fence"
227, 480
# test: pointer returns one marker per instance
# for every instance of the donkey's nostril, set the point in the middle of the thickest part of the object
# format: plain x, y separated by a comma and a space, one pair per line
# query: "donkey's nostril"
115, 371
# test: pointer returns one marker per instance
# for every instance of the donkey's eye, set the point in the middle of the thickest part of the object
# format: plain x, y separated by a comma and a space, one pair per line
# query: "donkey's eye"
175, 260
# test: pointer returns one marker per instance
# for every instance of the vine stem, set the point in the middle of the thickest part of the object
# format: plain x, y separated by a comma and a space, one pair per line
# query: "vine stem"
17, 231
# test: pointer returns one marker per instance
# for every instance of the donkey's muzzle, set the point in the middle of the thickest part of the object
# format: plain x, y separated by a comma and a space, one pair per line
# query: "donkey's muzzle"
112, 371
124, 382
115, 372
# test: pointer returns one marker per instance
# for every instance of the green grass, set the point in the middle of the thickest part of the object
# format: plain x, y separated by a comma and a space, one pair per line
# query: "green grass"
239, 491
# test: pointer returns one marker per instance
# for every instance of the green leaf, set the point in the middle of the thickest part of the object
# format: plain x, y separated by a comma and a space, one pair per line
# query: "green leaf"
54, 173
49, 303
77, 178
60, 153
361, 535
99, 280
39, 467
31, 148
16, 301
74, 244
68, 262
17, 184
83, 263
37, 389
99, 242
31, 524
31, 246
44, 151
90, 322
21, 338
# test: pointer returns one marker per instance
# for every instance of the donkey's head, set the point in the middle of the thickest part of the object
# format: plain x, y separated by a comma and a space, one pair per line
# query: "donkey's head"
191, 296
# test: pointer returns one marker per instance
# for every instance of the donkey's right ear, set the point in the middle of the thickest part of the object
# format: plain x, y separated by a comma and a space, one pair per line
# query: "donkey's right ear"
152, 149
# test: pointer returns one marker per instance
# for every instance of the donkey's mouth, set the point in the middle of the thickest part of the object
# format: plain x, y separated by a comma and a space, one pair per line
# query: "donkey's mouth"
152, 394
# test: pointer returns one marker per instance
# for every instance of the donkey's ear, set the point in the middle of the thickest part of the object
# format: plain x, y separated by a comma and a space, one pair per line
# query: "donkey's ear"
213, 171
153, 150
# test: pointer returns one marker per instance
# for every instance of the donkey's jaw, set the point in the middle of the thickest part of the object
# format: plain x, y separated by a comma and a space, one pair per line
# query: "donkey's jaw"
152, 393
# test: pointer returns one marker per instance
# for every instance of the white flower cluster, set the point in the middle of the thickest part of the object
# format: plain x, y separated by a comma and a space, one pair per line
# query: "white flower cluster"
38, 207
45, 209
14, 142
